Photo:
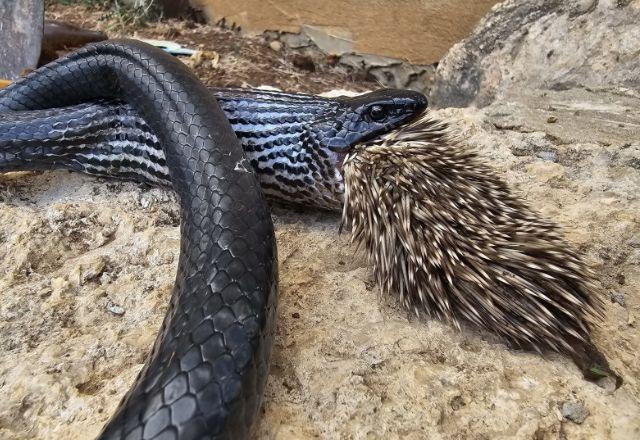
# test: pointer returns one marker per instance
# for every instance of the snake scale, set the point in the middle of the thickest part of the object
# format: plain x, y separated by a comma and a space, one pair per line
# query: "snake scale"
125, 109
295, 142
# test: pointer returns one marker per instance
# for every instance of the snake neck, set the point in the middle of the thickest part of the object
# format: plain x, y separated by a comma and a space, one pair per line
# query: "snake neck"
282, 134
295, 143
108, 138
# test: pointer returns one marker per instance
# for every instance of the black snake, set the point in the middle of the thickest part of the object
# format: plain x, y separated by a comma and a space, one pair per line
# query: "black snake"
125, 109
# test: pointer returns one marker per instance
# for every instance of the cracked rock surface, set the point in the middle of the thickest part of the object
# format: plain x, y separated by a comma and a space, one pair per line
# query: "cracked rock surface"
548, 44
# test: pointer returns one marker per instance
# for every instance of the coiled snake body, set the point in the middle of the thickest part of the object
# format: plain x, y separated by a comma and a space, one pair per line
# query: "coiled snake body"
134, 112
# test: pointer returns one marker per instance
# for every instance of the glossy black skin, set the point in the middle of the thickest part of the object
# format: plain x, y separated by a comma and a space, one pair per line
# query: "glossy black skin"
205, 375
371, 115
296, 143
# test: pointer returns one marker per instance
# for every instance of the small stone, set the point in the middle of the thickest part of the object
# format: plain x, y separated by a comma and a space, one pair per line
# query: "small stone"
45, 292
631, 320
546, 172
552, 119
295, 315
275, 46
457, 402
551, 156
574, 411
634, 241
92, 270
115, 309
618, 298
108, 230
608, 384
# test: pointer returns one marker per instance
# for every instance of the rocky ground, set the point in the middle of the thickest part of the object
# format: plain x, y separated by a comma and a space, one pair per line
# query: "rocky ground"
88, 265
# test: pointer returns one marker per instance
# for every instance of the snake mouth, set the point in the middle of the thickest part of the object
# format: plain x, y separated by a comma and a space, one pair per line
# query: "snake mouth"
422, 130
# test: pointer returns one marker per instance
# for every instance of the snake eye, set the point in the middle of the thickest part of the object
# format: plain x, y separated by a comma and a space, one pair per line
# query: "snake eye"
377, 112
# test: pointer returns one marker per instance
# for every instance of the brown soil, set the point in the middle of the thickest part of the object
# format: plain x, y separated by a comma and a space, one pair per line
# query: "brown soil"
243, 61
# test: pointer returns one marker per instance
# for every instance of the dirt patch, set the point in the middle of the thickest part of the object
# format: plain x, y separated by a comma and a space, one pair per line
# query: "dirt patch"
243, 61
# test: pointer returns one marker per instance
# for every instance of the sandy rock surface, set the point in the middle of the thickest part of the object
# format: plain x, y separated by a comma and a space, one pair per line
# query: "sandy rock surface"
549, 44
88, 265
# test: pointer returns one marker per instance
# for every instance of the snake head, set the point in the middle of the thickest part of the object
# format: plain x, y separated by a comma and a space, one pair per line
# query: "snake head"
372, 114
332, 133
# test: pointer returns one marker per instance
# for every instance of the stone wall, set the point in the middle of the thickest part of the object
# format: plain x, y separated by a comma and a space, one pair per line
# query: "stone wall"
417, 31
397, 42
543, 44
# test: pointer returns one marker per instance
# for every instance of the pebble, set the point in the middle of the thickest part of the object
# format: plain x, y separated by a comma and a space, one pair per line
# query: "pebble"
45, 292
551, 156
275, 45
552, 119
92, 270
457, 402
618, 298
574, 411
115, 309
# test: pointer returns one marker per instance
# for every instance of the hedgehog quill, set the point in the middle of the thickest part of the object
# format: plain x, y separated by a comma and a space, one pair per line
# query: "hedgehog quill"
444, 233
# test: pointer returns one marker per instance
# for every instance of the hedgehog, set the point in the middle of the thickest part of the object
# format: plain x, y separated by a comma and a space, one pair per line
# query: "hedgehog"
448, 236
